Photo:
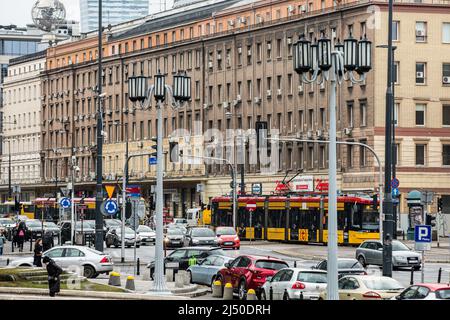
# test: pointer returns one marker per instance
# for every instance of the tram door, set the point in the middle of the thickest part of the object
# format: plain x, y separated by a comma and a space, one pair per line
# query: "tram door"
295, 223
313, 224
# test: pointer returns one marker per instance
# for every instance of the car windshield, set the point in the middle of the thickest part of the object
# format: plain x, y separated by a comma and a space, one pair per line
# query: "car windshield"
50, 224
128, 230
144, 229
33, 223
180, 221
312, 277
382, 284
202, 232
111, 222
6, 221
398, 246
443, 294
174, 231
86, 224
226, 231
349, 264
270, 265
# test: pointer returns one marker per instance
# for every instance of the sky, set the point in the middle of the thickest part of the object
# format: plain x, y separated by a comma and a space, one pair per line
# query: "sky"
18, 12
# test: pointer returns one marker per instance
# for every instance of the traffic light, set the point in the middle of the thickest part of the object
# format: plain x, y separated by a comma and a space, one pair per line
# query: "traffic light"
174, 152
439, 204
429, 220
128, 209
16, 205
375, 202
154, 147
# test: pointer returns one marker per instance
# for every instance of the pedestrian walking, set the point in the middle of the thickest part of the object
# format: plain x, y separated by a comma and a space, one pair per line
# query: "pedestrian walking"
53, 271
20, 236
38, 253
2, 242
47, 241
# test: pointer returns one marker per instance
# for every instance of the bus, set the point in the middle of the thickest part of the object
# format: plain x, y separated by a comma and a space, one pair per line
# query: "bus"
7, 209
299, 218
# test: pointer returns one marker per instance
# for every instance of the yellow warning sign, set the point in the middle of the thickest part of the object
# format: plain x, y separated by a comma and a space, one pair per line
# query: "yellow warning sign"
110, 190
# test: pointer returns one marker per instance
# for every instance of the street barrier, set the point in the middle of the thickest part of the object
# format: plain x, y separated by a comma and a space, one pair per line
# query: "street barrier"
270, 293
179, 280
217, 289
411, 282
130, 283
251, 295
228, 292
7, 262
114, 279
138, 267
186, 277
439, 275
169, 275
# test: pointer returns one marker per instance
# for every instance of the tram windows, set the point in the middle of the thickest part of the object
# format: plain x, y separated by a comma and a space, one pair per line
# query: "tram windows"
312, 223
343, 221
295, 222
277, 218
224, 217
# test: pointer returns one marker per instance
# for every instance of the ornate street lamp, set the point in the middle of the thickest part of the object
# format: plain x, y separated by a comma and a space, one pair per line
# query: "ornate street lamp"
337, 65
180, 93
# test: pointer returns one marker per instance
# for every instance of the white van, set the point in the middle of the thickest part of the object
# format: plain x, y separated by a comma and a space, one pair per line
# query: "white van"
193, 216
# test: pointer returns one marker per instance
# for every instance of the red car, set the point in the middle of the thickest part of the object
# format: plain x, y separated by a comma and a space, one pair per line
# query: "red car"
249, 272
425, 291
228, 238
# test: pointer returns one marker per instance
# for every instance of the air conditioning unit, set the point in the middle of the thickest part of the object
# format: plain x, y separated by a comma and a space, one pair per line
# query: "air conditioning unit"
279, 92
319, 133
249, 52
289, 40
300, 89
243, 20
205, 106
219, 56
133, 110
348, 131
110, 71
65, 119
420, 33
141, 175
81, 117
298, 135
269, 93
239, 98
140, 144
67, 179
231, 22
92, 175
210, 64
309, 134
239, 50
419, 74
109, 112
75, 118
446, 80
93, 116
269, 46
291, 9
303, 8
257, 100
225, 105
259, 19
125, 110
43, 98
50, 121
113, 176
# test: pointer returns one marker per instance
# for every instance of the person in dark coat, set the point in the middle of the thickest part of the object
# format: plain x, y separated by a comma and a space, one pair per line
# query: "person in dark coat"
38, 253
54, 271
47, 241
20, 236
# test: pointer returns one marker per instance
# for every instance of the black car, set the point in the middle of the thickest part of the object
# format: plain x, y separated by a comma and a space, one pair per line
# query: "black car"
85, 228
200, 236
33, 229
179, 259
345, 267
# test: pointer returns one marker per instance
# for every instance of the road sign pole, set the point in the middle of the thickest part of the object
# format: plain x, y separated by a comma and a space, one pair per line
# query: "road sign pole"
422, 275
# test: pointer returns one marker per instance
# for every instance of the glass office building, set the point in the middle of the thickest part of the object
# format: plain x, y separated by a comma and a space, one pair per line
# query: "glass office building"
114, 12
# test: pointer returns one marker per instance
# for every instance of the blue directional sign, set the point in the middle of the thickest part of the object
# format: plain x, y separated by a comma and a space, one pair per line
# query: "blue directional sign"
152, 161
111, 207
422, 234
395, 183
395, 192
65, 203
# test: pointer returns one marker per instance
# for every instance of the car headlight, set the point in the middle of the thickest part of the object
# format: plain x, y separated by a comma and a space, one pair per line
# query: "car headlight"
195, 240
400, 258
236, 239
216, 240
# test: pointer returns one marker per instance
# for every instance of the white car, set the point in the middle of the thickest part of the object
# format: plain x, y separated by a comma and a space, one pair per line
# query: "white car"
295, 283
146, 234
93, 262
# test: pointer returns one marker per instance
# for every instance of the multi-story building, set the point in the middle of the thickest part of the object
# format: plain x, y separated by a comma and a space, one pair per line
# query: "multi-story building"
114, 12
22, 124
239, 55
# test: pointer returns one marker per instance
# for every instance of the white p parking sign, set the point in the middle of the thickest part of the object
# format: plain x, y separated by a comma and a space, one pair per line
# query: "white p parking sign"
422, 237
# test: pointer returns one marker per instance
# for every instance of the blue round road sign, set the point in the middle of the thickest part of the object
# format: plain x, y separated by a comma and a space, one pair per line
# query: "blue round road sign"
395, 183
111, 207
65, 203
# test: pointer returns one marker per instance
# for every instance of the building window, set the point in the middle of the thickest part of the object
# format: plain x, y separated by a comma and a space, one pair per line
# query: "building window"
311, 119
446, 115
395, 30
420, 154
421, 31
446, 154
362, 154
396, 72
278, 48
446, 32
311, 157
420, 72
349, 156
269, 50
420, 114
301, 120
322, 157
350, 115
396, 113
446, 73
363, 113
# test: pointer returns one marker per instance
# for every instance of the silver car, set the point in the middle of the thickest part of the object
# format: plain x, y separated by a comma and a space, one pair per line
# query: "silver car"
92, 261
206, 270
371, 252
146, 234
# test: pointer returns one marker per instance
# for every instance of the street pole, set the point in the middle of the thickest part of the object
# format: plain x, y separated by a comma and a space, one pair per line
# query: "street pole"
124, 194
72, 207
332, 271
388, 207
99, 185
394, 145
9, 170
159, 283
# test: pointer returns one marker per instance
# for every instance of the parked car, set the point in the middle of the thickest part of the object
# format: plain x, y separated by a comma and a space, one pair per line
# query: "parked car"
179, 258
52, 227
228, 238
180, 222
33, 229
295, 283
371, 252
176, 226
174, 237
7, 223
357, 287
205, 271
425, 291
93, 262
91, 223
86, 228
249, 272
146, 234
114, 238
345, 267
200, 236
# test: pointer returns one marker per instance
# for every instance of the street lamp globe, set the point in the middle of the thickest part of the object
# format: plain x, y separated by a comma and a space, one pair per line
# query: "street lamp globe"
137, 88
302, 60
160, 87
350, 54
186, 87
339, 47
364, 55
324, 53
313, 56
178, 82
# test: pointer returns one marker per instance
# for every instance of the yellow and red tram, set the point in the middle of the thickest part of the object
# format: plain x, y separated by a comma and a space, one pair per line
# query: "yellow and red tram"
299, 218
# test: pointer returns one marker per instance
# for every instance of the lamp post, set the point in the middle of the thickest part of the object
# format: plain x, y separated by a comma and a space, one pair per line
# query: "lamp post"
139, 91
9, 159
335, 66
241, 165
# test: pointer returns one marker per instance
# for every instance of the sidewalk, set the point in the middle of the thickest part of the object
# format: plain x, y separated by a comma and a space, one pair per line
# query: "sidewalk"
319, 252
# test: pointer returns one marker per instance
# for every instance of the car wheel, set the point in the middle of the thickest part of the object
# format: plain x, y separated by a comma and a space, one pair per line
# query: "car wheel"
263, 295
128, 246
286, 296
138, 246
89, 272
242, 290
95, 275
116, 245
416, 267
108, 245
362, 261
